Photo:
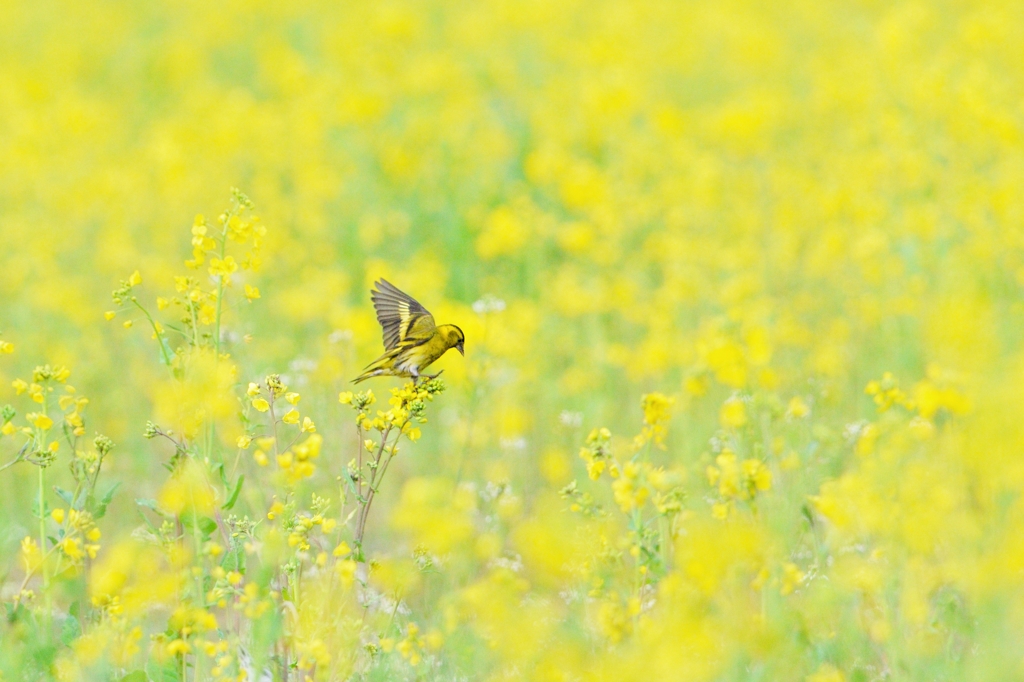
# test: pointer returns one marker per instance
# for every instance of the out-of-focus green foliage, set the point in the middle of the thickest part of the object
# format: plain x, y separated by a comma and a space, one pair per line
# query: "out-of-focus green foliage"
762, 262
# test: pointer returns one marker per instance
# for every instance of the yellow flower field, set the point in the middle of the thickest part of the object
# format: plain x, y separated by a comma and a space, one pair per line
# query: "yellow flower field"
741, 285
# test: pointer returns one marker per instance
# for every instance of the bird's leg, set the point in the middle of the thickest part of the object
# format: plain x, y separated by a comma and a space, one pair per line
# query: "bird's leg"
432, 376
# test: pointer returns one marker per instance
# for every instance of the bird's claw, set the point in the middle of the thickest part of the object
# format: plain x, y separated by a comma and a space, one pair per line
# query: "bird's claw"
428, 377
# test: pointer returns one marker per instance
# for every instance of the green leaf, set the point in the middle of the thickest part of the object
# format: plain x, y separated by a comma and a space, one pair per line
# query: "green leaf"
219, 468
234, 560
204, 524
168, 352
151, 504
101, 508
234, 495
135, 676
207, 525
66, 495
70, 630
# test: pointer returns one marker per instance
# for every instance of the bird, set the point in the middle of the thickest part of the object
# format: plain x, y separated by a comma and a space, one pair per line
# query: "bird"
412, 340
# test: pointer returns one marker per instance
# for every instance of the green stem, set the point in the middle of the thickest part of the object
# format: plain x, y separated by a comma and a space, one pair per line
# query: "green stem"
19, 458
200, 595
42, 540
375, 477
195, 326
211, 431
32, 571
220, 283
156, 330
42, 524
42, 515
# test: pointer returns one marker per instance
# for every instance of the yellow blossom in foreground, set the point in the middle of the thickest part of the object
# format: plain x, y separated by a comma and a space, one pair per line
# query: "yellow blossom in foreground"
826, 673
791, 231
733, 413
72, 549
797, 408
40, 421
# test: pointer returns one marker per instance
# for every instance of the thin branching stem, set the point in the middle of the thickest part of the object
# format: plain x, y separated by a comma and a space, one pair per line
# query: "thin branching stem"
156, 330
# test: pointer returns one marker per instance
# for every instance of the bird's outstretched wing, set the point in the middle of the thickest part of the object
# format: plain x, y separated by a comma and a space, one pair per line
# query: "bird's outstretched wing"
400, 315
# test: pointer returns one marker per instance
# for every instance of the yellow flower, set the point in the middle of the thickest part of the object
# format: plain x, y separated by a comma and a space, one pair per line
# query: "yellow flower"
696, 385
30, 553
109, 315
251, 292
253, 390
292, 398
308, 426
39, 420
20, 386
733, 413
58, 515
758, 474
223, 267
261, 404
290, 417
72, 549
345, 397
792, 576
826, 673
797, 409
177, 647
135, 279
244, 442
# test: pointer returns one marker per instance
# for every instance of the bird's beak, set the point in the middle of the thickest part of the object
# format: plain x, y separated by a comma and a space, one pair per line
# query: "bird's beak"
461, 349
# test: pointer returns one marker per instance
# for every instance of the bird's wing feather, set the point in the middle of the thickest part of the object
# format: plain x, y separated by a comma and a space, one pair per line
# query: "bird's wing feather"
400, 315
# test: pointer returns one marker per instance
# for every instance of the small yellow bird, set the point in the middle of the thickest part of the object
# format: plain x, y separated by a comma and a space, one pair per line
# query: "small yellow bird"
412, 340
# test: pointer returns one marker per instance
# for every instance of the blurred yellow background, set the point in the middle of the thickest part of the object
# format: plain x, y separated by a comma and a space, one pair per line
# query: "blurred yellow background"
734, 204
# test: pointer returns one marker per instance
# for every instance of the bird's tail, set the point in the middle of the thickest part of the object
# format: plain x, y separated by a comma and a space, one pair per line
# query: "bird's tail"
375, 368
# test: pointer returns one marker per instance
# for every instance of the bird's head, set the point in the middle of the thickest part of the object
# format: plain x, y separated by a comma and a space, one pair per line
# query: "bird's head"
454, 337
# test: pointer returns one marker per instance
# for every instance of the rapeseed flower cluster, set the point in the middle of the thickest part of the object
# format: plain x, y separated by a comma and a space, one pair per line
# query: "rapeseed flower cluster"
790, 232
